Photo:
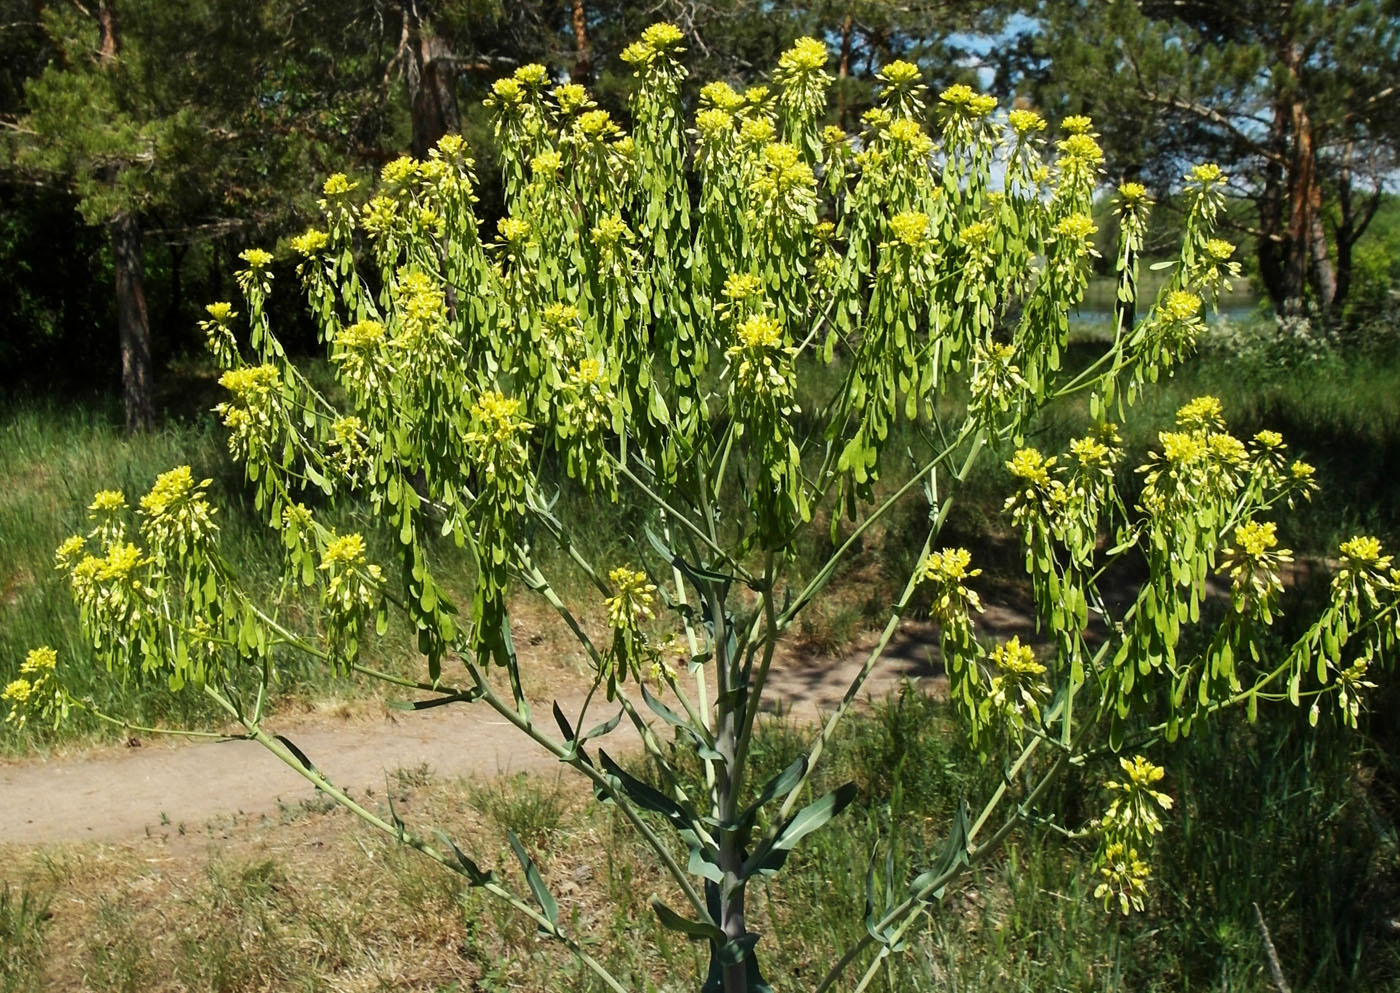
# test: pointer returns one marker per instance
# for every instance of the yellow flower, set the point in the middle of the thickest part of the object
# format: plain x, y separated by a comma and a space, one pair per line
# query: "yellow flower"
169, 489
1205, 173
910, 228
1365, 550
757, 131
760, 331
633, 600
1024, 122
1180, 448
720, 95
1081, 147
122, 559
1091, 453
899, 73
1181, 306
67, 552
741, 286
1014, 657
221, 312
106, 502
975, 234
348, 549
807, 55
361, 334
1268, 439
1254, 538
1219, 249
507, 91
256, 258
398, 172
1076, 227
610, 232
338, 185
949, 565
531, 74
572, 97
964, 99
1076, 124
513, 230
1030, 465
17, 692
39, 661
309, 244
1133, 193
1227, 448
662, 35
1201, 412
596, 124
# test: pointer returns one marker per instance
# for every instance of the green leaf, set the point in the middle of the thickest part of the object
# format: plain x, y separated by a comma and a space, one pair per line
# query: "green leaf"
534, 880
697, 930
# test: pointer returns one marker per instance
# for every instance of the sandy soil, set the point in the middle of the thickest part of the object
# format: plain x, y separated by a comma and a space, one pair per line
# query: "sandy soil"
120, 795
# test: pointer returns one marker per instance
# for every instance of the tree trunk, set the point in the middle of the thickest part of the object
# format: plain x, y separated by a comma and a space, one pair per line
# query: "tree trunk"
843, 71
133, 329
583, 52
431, 78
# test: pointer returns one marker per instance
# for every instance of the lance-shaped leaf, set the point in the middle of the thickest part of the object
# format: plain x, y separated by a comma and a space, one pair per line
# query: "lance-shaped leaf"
696, 930
533, 879
772, 853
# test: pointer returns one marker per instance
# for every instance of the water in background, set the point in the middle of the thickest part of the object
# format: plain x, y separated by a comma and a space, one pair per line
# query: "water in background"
1093, 320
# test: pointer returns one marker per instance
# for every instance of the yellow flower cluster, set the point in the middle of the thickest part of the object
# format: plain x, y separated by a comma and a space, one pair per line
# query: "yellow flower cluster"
308, 244
719, 95
1365, 550
1077, 228
106, 502
899, 73
1016, 658
1125, 878
760, 331
347, 549
1081, 148
1181, 306
221, 312
251, 383
513, 230
963, 99
1201, 413
1030, 465
660, 40
633, 601
1255, 538
806, 56
1091, 453
741, 286
337, 184
361, 335
610, 232
1025, 122
1076, 124
256, 258
910, 228
571, 98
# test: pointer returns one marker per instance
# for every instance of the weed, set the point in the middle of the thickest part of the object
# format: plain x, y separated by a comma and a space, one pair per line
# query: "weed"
24, 917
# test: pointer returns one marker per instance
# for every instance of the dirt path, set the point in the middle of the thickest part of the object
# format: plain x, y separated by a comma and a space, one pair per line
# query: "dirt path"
115, 797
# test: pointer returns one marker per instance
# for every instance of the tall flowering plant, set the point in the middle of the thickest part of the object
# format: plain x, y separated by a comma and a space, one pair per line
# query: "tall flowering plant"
670, 348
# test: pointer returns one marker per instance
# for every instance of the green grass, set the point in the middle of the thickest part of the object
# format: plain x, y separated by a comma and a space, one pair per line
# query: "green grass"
1300, 821
24, 917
